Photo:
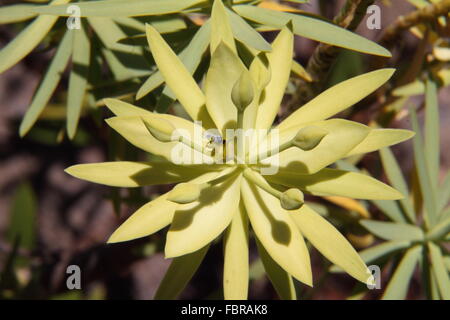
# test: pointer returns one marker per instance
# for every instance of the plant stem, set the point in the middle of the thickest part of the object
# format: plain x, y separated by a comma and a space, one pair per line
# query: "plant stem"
426, 14
261, 183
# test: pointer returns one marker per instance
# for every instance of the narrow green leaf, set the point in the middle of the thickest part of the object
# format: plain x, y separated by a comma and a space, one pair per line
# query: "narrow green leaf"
395, 176
411, 89
48, 85
377, 252
447, 262
426, 186
122, 8
399, 283
256, 270
110, 34
127, 60
444, 194
8, 276
440, 230
432, 132
435, 295
281, 280
374, 253
391, 209
312, 28
164, 24
300, 71
152, 82
245, 33
16, 13
119, 71
440, 271
27, 40
179, 273
22, 226
429, 279
78, 78
357, 295
444, 215
393, 230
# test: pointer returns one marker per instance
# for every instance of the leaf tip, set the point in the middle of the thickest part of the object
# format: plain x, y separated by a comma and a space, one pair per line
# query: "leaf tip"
140, 93
409, 134
69, 170
290, 25
395, 195
114, 238
110, 121
23, 130
74, 171
389, 72
120, 235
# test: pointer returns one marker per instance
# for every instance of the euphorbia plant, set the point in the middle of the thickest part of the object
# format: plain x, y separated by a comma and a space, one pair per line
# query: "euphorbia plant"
228, 196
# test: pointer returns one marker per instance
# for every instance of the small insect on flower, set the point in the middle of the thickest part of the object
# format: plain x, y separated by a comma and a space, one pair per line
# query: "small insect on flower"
229, 197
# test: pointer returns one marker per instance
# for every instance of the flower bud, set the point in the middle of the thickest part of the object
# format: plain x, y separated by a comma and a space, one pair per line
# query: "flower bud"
292, 199
309, 137
160, 128
242, 92
184, 193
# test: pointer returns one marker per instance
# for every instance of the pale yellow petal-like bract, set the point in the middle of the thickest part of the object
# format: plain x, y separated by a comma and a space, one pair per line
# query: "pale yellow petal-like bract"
224, 70
380, 138
333, 182
338, 98
198, 223
178, 77
221, 31
280, 62
154, 215
124, 109
281, 280
128, 174
148, 219
236, 257
343, 136
277, 232
134, 130
330, 242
